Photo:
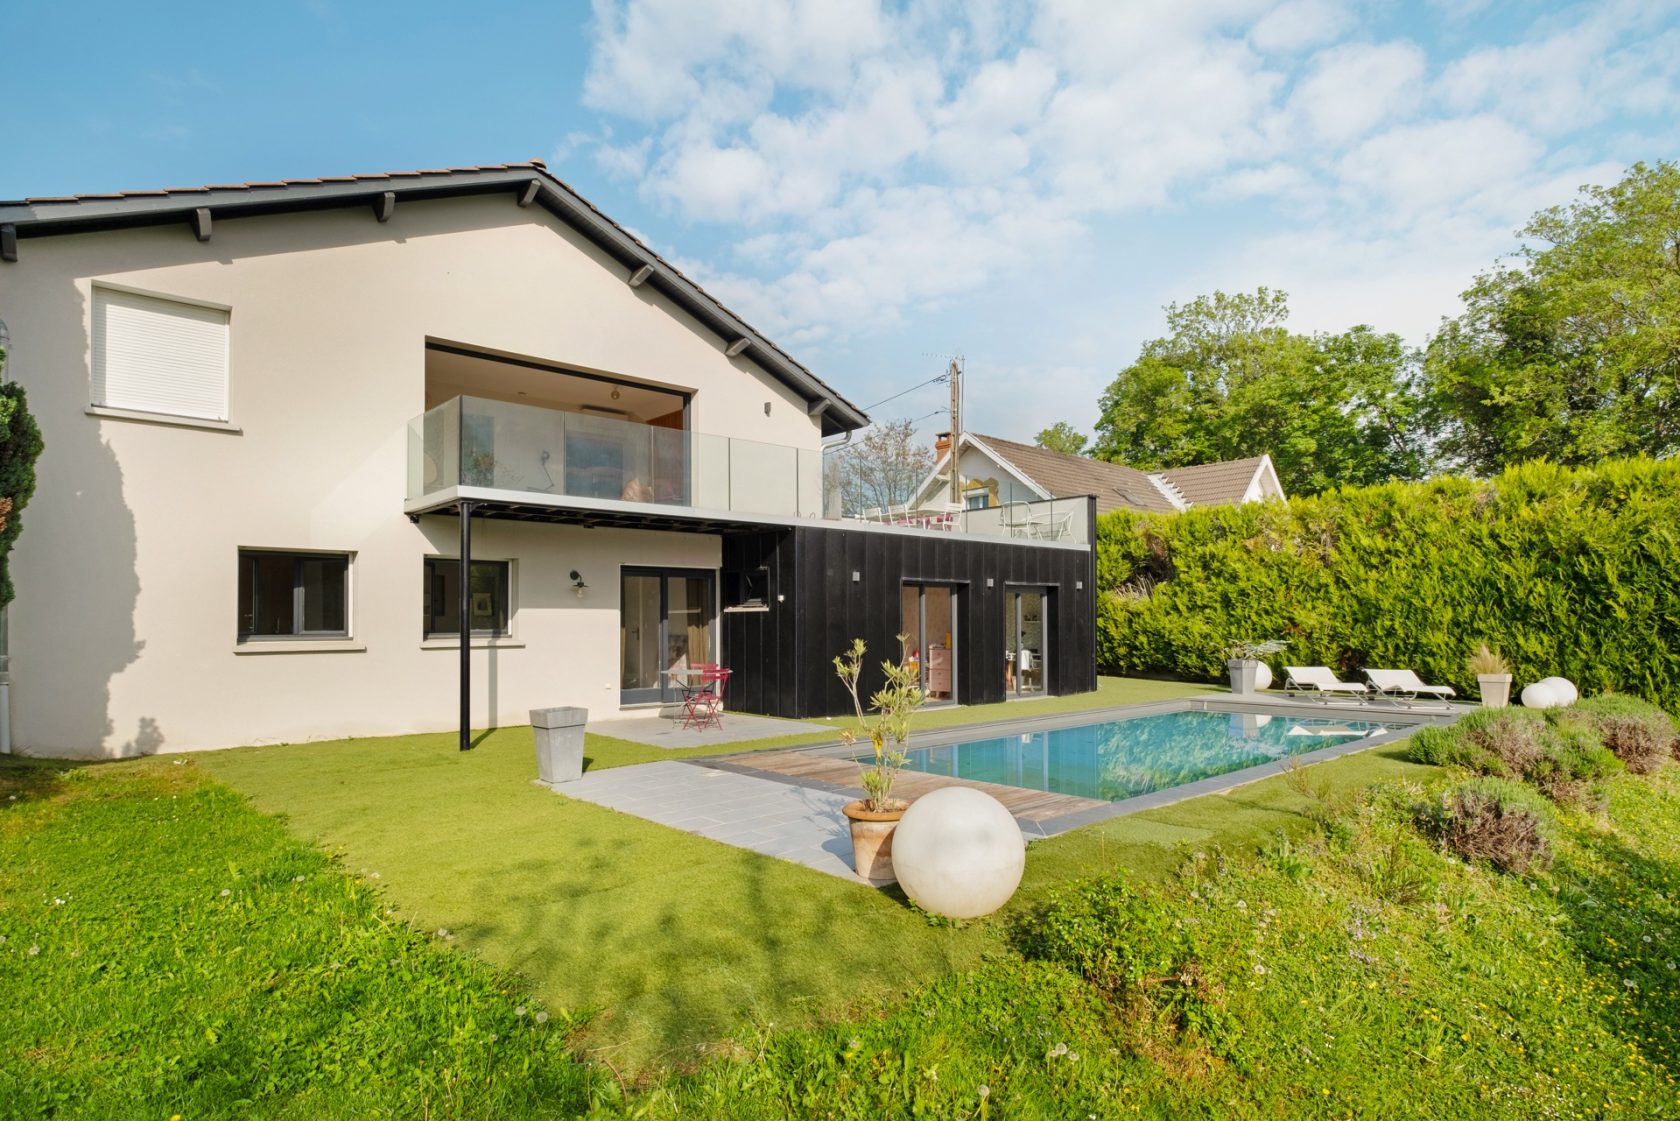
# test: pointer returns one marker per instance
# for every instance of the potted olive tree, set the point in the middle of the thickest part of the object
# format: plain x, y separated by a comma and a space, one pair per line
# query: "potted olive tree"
1242, 659
1493, 675
886, 726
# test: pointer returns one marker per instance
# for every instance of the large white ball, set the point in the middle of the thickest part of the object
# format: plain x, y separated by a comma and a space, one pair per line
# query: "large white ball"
1541, 695
957, 852
1565, 689
1263, 677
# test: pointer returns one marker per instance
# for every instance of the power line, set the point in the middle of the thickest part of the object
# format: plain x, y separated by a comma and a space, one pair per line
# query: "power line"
931, 381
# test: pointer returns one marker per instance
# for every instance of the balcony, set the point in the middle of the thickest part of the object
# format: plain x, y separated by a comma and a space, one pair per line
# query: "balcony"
552, 455
556, 465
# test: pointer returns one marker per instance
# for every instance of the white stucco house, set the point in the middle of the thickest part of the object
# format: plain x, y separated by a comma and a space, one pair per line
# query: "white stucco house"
278, 415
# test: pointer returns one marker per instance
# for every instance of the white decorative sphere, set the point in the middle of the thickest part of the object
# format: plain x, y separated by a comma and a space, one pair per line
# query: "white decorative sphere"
1541, 695
1263, 676
1565, 689
957, 852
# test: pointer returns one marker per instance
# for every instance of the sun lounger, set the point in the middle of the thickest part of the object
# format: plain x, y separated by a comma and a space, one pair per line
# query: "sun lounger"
1405, 685
1321, 682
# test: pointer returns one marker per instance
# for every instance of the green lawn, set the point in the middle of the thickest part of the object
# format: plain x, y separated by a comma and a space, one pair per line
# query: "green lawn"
482, 947
603, 911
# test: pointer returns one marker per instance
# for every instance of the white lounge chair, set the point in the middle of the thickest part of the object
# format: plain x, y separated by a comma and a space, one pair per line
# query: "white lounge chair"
1321, 682
1405, 685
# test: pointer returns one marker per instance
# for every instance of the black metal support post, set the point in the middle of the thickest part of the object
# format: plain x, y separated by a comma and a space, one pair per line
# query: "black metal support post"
465, 609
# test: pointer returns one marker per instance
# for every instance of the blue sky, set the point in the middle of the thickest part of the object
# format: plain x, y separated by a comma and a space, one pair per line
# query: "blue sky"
878, 186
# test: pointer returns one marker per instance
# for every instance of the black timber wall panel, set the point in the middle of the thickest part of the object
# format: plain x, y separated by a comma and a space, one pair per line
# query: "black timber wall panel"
782, 657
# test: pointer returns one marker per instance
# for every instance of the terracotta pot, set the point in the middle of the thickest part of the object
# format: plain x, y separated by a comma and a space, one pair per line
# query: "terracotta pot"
872, 839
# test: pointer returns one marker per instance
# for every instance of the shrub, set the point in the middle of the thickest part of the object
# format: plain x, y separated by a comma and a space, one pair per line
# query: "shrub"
1641, 735
1493, 821
1558, 753
1126, 944
1562, 570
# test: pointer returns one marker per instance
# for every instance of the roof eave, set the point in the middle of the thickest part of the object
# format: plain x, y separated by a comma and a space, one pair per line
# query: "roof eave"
89, 214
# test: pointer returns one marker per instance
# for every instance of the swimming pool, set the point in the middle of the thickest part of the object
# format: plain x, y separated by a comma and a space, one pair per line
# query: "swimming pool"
1124, 758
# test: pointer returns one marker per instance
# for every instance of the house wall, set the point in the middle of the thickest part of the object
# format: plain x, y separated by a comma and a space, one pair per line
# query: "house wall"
123, 632
976, 464
782, 657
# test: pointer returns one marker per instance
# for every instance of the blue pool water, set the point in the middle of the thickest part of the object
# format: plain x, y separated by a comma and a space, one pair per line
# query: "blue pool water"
1125, 758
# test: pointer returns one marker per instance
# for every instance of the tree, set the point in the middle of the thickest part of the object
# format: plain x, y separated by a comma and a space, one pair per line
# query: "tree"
1573, 353
20, 446
881, 469
1061, 437
1230, 380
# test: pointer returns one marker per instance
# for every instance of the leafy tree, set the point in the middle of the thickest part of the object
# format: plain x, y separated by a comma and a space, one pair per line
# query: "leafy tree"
1061, 437
881, 469
20, 446
1231, 380
1573, 354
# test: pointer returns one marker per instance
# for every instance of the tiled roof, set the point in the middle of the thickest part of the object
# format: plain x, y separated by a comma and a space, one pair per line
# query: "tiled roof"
1116, 486
1210, 484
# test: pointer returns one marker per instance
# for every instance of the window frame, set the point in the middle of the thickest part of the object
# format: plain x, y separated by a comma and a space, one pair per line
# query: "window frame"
243, 637
506, 585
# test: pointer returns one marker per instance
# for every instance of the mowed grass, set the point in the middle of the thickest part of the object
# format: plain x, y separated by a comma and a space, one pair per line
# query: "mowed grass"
673, 942
165, 950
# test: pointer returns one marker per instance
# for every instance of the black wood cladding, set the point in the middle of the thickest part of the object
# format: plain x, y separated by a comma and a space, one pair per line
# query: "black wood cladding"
782, 657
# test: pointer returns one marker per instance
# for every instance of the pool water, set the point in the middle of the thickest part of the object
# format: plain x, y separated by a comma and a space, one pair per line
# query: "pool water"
1124, 758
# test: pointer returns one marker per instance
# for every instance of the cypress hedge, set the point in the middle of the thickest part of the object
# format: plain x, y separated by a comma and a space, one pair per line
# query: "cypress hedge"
1569, 571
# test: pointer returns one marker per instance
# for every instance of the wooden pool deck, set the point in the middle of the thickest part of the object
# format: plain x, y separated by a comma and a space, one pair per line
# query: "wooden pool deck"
841, 775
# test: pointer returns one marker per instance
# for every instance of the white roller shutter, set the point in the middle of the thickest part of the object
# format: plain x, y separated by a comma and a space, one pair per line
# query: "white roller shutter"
159, 356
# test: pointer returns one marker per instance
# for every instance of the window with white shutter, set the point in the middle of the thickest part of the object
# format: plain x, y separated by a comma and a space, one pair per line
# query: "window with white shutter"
153, 355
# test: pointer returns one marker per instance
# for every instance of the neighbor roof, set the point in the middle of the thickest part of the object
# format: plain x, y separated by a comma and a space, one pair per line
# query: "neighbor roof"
530, 182
1116, 486
1210, 484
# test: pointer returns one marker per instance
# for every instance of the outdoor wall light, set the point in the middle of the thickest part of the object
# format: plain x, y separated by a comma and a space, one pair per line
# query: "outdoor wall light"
578, 585
856, 576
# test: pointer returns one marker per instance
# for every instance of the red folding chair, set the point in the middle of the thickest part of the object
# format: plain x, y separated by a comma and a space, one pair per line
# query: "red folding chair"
703, 701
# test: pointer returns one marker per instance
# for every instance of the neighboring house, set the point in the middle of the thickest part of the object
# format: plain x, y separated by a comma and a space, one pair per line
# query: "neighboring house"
996, 472
266, 407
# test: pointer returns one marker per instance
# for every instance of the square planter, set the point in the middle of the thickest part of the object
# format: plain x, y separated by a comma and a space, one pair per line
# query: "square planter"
1244, 673
1495, 688
559, 736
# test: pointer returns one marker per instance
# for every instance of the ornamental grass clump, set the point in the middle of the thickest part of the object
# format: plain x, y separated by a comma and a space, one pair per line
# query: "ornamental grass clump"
1493, 821
887, 723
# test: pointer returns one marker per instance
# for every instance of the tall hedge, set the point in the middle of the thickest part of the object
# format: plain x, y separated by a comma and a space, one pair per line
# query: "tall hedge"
1569, 571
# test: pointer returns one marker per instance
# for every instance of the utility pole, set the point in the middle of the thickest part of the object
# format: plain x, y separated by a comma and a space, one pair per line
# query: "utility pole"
955, 375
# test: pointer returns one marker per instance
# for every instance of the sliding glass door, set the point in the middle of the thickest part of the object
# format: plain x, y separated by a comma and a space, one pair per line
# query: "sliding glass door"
929, 619
665, 628
1026, 642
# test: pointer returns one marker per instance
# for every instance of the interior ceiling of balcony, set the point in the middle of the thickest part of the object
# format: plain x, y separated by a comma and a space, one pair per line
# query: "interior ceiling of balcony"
450, 374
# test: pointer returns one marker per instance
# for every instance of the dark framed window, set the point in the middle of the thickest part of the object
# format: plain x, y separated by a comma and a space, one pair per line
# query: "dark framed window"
488, 592
293, 595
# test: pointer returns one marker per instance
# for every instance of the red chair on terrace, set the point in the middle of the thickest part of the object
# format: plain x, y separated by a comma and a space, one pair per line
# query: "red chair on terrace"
703, 697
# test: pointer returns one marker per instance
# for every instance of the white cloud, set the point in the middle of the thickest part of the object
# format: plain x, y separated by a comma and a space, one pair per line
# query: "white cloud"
1352, 88
873, 164
1300, 23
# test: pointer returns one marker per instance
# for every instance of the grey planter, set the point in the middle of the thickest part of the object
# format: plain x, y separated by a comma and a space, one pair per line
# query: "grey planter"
1496, 689
1244, 673
559, 736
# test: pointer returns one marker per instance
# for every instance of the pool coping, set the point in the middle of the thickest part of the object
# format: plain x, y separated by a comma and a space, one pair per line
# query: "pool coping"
1404, 720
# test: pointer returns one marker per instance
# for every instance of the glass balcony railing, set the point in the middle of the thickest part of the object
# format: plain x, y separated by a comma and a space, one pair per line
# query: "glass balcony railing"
548, 453
496, 445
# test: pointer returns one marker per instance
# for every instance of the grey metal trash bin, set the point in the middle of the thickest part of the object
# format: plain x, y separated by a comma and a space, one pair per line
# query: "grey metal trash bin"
559, 736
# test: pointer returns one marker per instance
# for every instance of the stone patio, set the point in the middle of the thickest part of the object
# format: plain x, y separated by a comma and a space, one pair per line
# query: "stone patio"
659, 730
777, 819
